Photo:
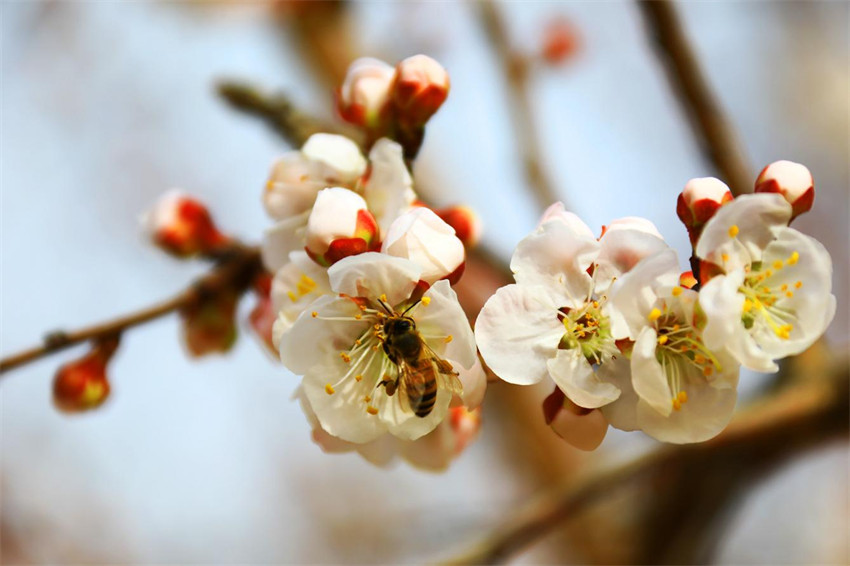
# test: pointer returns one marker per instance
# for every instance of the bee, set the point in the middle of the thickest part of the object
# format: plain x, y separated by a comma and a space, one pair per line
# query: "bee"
420, 371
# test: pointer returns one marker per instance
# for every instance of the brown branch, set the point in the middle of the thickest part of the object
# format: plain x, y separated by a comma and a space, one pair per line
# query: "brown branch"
713, 129
756, 442
516, 69
234, 269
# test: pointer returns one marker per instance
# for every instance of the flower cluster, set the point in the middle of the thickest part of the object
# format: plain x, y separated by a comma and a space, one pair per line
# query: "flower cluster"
631, 341
361, 282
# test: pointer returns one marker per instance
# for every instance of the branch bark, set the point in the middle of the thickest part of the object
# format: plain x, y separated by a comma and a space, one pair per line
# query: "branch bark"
234, 269
713, 130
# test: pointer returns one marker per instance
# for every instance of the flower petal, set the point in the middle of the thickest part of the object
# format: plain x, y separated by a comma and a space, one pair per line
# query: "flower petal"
635, 294
583, 430
706, 413
285, 237
444, 326
574, 375
648, 378
424, 238
622, 413
518, 331
389, 189
372, 274
557, 213
621, 249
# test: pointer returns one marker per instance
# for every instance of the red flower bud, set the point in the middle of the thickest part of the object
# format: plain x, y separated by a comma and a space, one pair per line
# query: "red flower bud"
420, 88
560, 41
363, 96
183, 227
793, 181
699, 201
82, 384
465, 222
209, 325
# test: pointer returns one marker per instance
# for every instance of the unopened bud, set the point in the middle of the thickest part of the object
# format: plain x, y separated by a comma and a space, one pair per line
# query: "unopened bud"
183, 227
560, 41
466, 224
424, 238
82, 384
465, 425
420, 88
209, 325
793, 181
340, 225
699, 201
365, 92
583, 428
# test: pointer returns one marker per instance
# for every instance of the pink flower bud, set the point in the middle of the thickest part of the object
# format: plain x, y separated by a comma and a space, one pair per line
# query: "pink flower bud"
183, 227
82, 384
466, 224
791, 180
420, 88
699, 201
365, 92
424, 238
340, 225
209, 325
583, 428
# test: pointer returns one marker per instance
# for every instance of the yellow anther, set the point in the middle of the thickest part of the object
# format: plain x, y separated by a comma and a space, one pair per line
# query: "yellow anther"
784, 287
682, 397
654, 315
733, 230
383, 297
362, 307
595, 304
707, 371
426, 301
768, 273
448, 338
677, 405
766, 289
367, 399
676, 327
371, 410
358, 341
329, 389
345, 357
724, 257
358, 316
358, 377
291, 296
789, 294
676, 291
376, 347
798, 284
663, 339
794, 258
683, 348
314, 314
748, 305
777, 264
699, 358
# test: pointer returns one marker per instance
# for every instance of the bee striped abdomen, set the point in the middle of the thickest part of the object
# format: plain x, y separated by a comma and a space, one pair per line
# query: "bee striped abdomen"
422, 387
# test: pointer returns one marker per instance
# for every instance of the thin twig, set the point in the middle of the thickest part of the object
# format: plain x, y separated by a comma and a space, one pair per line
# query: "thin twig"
713, 129
516, 69
234, 270
756, 442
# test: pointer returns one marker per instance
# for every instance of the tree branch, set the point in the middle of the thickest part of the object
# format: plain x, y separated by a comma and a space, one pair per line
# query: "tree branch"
757, 441
713, 129
516, 69
234, 269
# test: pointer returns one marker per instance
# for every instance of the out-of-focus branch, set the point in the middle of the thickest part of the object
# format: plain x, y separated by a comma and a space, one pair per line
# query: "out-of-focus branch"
516, 68
234, 269
713, 129
276, 110
756, 442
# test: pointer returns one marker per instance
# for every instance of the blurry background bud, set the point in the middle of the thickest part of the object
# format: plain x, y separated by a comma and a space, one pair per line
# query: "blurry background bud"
420, 88
793, 181
365, 92
209, 325
583, 428
263, 315
466, 224
183, 227
424, 238
560, 41
82, 384
687, 280
699, 201
465, 424
340, 225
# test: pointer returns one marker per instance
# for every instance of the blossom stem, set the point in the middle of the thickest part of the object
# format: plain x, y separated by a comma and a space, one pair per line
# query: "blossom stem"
234, 269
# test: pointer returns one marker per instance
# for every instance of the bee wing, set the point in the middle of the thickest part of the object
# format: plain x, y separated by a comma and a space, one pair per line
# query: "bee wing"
404, 374
447, 377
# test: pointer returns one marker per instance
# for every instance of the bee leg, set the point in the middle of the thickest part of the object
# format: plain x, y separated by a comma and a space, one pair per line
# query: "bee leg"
390, 385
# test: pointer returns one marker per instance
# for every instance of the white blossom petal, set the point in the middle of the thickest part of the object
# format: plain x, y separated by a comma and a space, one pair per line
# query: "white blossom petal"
622, 413
704, 416
424, 238
285, 237
575, 376
341, 157
635, 294
518, 331
648, 377
557, 213
389, 189
372, 274
442, 318
622, 249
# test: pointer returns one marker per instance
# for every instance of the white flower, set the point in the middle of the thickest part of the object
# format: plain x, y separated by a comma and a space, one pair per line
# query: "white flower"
365, 91
685, 391
389, 187
294, 286
342, 346
772, 295
432, 452
424, 238
792, 180
339, 225
556, 320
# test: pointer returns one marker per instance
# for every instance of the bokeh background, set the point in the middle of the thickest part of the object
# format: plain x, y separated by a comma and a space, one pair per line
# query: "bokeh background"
105, 105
